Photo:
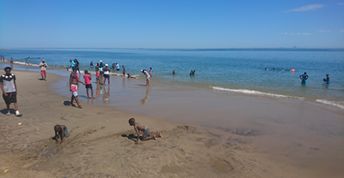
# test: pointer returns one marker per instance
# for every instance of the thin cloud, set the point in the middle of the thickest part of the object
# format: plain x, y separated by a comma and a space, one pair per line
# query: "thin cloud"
296, 33
325, 31
308, 7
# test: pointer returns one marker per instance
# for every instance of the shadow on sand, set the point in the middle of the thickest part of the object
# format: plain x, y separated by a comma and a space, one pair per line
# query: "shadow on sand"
4, 111
131, 137
66, 103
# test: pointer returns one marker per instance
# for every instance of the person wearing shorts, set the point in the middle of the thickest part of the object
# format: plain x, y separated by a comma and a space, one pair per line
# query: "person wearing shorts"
73, 84
143, 132
107, 74
147, 75
9, 90
88, 84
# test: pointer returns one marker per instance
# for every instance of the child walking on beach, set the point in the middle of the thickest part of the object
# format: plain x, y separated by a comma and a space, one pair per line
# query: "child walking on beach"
73, 84
9, 90
88, 84
142, 131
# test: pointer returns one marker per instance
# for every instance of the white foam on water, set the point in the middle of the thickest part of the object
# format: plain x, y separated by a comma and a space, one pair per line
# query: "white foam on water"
331, 103
254, 92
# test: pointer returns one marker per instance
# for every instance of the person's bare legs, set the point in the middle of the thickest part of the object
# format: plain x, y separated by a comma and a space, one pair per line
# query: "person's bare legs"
8, 109
77, 102
91, 92
16, 110
88, 96
72, 100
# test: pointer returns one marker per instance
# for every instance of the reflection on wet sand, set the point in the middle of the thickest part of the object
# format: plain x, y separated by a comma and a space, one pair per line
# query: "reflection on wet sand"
147, 94
106, 94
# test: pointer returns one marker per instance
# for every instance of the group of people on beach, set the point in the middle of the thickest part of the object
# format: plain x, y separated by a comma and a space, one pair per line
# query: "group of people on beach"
102, 73
9, 92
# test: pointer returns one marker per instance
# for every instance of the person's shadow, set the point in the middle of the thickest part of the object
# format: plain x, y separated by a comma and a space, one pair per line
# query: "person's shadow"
4, 111
131, 137
66, 103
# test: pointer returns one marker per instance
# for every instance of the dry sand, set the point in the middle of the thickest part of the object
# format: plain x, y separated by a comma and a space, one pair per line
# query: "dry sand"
96, 147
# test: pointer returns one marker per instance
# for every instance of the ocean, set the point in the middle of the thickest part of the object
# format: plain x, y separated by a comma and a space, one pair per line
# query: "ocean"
263, 72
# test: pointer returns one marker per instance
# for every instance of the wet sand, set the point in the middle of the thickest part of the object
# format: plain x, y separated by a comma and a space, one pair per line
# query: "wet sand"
238, 136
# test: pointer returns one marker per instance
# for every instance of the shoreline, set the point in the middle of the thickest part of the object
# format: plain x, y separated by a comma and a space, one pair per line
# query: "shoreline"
239, 150
325, 99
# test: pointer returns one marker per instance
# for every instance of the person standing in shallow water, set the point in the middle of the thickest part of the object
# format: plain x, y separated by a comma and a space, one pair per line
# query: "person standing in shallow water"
147, 75
327, 79
88, 84
74, 85
303, 78
9, 90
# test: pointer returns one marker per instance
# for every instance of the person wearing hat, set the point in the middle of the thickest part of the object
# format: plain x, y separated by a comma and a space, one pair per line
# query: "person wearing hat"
43, 66
9, 90
107, 74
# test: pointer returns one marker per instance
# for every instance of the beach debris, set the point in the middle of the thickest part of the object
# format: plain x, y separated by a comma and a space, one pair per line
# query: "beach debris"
19, 123
6, 170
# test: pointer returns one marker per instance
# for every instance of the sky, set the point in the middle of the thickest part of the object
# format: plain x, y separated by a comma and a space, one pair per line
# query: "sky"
171, 24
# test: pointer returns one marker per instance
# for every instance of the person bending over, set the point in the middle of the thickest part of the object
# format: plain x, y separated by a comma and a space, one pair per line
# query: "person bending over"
143, 133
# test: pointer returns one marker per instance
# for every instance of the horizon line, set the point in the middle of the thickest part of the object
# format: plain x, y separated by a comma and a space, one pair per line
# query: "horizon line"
188, 49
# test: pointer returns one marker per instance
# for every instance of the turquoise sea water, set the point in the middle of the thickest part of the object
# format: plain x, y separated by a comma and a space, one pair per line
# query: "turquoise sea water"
239, 70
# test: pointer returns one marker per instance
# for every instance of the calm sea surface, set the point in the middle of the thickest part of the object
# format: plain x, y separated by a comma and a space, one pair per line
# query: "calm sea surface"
263, 70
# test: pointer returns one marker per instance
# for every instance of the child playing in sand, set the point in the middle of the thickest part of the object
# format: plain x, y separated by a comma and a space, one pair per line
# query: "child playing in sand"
9, 90
74, 84
88, 84
142, 131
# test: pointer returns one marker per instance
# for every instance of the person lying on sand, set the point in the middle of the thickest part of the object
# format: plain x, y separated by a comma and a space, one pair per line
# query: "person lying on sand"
142, 131
129, 76
61, 132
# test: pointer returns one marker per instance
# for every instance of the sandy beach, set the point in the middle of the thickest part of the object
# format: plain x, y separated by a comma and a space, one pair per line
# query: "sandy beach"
98, 146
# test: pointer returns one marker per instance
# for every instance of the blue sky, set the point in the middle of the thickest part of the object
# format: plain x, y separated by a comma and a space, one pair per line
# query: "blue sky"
171, 24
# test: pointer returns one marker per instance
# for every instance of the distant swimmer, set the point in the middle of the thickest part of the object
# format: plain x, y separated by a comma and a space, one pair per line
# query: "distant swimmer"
173, 72
303, 78
327, 79
91, 65
292, 70
192, 73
